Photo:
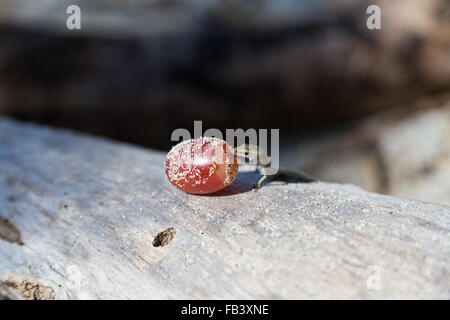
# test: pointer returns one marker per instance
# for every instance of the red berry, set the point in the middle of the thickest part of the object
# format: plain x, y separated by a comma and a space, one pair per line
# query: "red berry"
202, 165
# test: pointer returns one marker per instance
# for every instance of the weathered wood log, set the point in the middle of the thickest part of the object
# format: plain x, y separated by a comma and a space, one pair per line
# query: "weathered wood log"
88, 210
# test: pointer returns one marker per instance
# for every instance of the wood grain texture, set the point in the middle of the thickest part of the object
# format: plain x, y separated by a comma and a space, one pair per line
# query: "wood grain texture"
89, 209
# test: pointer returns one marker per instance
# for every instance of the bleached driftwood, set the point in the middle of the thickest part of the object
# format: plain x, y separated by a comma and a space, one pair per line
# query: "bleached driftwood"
88, 211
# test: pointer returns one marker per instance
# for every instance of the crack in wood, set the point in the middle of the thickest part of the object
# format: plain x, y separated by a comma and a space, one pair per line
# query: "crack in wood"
164, 237
9, 232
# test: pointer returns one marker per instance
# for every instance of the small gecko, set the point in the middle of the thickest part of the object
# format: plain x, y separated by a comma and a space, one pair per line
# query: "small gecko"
259, 156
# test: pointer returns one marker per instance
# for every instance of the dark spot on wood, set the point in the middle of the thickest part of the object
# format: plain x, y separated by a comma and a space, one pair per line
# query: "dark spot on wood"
428, 169
9, 232
29, 289
164, 237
